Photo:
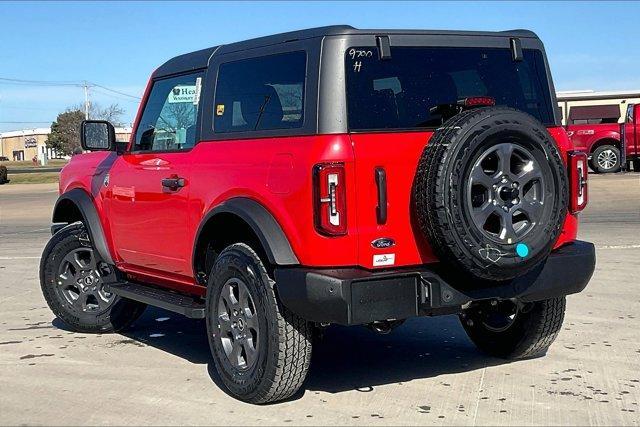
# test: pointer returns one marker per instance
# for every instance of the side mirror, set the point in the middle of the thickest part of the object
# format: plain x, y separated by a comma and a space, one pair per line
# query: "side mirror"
97, 135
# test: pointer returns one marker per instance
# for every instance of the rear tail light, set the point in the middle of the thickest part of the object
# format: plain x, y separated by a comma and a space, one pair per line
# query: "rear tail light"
578, 173
330, 204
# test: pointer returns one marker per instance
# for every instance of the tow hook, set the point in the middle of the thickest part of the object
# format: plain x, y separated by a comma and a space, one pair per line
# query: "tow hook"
385, 326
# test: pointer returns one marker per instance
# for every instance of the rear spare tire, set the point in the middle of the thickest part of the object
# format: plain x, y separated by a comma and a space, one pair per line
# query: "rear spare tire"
491, 193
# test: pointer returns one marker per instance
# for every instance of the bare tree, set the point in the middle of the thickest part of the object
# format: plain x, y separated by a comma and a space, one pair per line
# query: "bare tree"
180, 114
112, 113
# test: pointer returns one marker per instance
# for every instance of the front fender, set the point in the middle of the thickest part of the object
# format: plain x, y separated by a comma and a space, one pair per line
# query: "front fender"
83, 202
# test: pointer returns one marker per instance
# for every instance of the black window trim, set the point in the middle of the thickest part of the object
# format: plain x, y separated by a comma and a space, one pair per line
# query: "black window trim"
154, 80
311, 48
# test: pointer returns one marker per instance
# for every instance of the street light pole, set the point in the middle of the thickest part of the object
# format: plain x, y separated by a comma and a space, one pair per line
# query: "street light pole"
86, 100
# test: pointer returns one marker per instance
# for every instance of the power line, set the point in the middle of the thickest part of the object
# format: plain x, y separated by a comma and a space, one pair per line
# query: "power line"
45, 121
111, 95
84, 84
114, 91
20, 107
23, 82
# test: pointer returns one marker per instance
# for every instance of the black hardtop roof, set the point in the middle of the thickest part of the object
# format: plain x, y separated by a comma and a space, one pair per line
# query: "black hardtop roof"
200, 58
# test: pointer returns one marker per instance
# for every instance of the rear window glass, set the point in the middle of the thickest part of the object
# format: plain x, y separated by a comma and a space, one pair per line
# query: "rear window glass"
398, 93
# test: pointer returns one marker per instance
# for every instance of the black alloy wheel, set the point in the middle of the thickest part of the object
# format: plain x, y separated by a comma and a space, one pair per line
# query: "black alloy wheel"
505, 192
80, 279
238, 326
261, 351
74, 281
491, 194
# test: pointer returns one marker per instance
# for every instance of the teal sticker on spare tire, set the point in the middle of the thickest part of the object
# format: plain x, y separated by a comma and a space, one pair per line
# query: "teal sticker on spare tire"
522, 250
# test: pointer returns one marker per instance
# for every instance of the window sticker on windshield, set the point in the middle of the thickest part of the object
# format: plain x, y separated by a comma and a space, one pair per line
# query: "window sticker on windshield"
219, 109
182, 94
196, 97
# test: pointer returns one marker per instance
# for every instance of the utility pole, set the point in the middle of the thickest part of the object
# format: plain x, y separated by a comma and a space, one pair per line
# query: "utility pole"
86, 100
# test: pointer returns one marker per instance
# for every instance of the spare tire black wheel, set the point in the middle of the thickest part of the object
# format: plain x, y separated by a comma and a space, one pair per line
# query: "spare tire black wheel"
491, 193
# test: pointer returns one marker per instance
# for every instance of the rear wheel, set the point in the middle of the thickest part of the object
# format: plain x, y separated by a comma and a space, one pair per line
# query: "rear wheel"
260, 349
606, 159
636, 165
512, 330
73, 279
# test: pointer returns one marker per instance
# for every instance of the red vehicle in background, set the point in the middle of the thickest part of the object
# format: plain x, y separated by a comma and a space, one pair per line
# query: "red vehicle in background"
630, 136
603, 141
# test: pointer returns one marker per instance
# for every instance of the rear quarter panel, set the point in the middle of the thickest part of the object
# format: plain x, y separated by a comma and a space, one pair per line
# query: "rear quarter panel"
277, 173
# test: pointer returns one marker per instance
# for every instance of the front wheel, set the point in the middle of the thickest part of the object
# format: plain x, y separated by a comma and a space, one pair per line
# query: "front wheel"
513, 330
73, 278
260, 349
606, 159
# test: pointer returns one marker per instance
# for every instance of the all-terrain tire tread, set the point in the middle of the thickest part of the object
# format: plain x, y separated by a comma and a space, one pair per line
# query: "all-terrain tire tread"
544, 330
433, 175
292, 354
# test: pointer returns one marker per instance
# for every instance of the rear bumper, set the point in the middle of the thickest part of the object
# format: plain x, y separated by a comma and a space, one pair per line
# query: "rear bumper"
354, 296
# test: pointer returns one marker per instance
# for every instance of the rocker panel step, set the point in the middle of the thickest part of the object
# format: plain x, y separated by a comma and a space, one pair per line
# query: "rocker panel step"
172, 301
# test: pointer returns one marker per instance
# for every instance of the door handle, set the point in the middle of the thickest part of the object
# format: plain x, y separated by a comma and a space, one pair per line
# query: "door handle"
381, 184
173, 183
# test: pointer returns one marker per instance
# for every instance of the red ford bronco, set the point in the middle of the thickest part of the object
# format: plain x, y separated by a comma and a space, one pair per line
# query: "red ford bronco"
329, 176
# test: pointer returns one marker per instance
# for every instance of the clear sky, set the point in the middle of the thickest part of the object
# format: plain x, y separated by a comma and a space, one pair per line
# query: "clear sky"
117, 45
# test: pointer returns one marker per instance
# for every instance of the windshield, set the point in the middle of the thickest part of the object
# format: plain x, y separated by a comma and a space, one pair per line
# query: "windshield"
400, 92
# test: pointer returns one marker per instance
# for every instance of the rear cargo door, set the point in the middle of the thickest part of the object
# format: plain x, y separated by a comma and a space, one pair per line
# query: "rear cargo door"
394, 105
388, 234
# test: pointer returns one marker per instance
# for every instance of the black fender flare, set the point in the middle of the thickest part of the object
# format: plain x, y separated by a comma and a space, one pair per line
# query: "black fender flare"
264, 225
84, 203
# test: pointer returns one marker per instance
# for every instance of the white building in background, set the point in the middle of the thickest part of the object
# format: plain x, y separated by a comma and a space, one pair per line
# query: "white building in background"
589, 106
21, 145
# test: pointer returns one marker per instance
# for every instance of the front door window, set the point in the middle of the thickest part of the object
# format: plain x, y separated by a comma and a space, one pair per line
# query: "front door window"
169, 119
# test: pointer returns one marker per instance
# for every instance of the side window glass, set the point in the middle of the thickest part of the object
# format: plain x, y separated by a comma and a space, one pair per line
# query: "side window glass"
261, 93
170, 114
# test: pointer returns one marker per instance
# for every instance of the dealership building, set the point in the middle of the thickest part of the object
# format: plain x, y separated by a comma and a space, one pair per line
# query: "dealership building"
593, 107
20, 145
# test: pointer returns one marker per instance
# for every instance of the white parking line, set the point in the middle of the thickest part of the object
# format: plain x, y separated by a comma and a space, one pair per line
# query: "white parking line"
37, 230
618, 247
6, 258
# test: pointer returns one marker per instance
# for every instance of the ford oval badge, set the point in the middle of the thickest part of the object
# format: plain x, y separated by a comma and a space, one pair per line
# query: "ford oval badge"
383, 242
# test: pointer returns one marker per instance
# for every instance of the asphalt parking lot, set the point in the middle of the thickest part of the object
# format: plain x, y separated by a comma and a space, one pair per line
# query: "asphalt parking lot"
425, 372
